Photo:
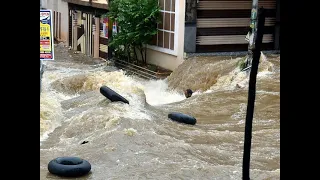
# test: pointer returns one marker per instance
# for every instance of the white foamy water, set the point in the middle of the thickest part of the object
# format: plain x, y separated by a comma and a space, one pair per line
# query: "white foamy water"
158, 93
136, 140
94, 106
240, 79
51, 114
153, 92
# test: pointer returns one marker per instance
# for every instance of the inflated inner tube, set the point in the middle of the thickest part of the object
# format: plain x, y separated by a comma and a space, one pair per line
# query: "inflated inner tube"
182, 118
69, 166
111, 95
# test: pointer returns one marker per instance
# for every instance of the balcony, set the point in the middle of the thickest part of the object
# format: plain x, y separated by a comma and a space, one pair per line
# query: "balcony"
102, 4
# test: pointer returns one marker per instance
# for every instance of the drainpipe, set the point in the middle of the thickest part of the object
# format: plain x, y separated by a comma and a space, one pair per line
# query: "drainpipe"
251, 95
253, 23
251, 36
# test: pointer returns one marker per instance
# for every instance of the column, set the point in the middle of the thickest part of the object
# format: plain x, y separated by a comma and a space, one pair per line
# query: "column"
190, 31
75, 31
96, 34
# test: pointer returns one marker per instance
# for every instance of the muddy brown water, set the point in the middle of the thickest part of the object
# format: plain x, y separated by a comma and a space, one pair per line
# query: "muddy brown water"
138, 141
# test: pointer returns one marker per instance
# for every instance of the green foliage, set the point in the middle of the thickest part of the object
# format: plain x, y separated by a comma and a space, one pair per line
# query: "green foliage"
242, 63
137, 21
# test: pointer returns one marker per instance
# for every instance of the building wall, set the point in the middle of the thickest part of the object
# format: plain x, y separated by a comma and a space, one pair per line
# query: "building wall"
222, 25
61, 7
164, 60
161, 54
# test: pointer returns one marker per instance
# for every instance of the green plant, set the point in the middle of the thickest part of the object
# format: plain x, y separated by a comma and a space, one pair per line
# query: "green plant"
242, 63
137, 21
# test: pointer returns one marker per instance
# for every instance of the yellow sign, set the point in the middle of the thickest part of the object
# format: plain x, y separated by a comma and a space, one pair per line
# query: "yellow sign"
44, 30
45, 33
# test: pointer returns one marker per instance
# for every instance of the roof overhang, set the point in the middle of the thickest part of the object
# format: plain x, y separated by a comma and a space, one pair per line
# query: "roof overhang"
101, 4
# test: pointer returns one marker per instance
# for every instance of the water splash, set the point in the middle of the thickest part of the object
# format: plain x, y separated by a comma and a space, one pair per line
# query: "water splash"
130, 131
127, 140
240, 79
210, 74
50, 114
158, 93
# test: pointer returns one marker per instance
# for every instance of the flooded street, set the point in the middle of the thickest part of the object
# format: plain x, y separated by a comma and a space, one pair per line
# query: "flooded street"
138, 141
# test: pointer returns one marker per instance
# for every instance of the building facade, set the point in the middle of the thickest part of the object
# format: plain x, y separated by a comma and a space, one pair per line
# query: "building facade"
60, 23
188, 26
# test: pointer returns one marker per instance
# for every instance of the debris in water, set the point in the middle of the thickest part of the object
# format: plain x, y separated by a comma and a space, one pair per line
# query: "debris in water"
108, 149
84, 142
115, 121
238, 85
130, 131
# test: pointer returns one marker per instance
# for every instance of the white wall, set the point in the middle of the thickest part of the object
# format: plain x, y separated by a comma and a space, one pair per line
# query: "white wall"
62, 7
171, 61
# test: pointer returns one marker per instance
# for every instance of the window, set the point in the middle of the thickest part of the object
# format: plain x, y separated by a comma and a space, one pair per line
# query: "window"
165, 38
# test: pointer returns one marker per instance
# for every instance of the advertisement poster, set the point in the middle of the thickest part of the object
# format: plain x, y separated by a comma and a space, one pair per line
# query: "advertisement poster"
114, 28
105, 27
46, 35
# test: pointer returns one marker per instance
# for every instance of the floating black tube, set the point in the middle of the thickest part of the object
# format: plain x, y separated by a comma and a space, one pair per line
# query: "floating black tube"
69, 166
112, 95
182, 118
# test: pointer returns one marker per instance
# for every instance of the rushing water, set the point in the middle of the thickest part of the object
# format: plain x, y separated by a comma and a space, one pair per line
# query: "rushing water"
138, 141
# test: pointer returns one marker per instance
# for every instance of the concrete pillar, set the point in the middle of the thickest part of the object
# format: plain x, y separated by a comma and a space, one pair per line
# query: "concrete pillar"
190, 30
96, 42
110, 49
277, 27
75, 31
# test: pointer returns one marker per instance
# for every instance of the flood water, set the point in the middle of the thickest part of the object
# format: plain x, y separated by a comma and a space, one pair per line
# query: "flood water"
138, 141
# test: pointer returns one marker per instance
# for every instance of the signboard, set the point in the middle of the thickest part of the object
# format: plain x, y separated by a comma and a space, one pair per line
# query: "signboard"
46, 35
105, 27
